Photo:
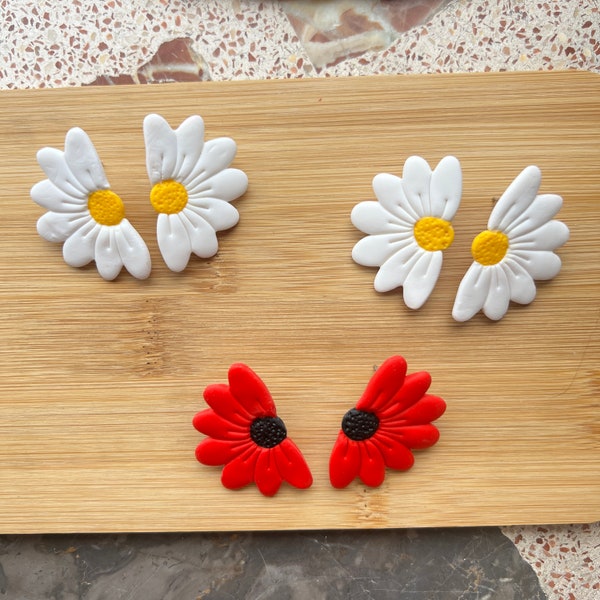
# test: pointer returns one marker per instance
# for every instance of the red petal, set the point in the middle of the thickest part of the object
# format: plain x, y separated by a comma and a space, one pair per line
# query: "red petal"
250, 391
240, 471
414, 388
267, 475
428, 409
211, 424
414, 436
291, 464
372, 467
217, 452
220, 399
344, 463
396, 455
384, 384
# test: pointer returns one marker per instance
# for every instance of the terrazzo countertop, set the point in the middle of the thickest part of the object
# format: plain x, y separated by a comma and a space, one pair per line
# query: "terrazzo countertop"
50, 43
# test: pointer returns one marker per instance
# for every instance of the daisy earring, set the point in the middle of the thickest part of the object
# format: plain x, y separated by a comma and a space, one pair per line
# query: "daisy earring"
247, 437
85, 213
409, 226
192, 188
516, 249
392, 418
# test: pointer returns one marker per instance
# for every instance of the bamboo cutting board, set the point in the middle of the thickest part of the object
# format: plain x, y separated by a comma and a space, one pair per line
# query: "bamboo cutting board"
99, 380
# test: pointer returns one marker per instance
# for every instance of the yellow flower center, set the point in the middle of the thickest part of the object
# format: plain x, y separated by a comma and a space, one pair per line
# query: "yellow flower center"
106, 207
433, 234
169, 197
489, 247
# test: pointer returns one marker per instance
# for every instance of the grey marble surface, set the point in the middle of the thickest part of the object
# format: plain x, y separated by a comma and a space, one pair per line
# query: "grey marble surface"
438, 564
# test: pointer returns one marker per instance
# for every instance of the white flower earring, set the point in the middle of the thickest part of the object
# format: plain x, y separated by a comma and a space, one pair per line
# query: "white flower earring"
85, 213
409, 226
516, 249
192, 188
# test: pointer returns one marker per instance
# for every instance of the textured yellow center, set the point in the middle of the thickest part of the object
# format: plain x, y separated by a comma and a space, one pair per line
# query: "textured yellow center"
169, 197
489, 247
106, 207
433, 234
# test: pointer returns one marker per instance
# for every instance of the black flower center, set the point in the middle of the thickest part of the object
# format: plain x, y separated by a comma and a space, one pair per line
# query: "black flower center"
359, 425
267, 432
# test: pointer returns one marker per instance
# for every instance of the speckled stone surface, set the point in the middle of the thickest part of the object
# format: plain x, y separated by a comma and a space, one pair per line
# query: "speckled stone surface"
53, 43
50, 43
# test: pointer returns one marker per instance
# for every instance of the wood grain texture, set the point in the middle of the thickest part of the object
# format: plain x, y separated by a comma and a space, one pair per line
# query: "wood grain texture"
99, 380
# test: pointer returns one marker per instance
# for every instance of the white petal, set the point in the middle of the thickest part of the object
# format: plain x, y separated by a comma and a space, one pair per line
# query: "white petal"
393, 272
83, 160
374, 250
46, 194
547, 237
498, 298
202, 236
161, 148
416, 178
421, 279
173, 241
541, 210
522, 285
108, 259
516, 199
133, 250
221, 215
390, 193
227, 185
190, 141
53, 163
79, 248
540, 264
57, 227
446, 188
217, 155
472, 292
371, 217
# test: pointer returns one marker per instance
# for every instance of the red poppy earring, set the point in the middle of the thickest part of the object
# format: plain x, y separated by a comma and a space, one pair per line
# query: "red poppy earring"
247, 437
392, 417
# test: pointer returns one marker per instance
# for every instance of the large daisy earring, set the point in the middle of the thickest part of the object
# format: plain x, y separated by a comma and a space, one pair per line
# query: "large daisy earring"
409, 226
192, 188
85, 213
247, 437
392, 418
516, 249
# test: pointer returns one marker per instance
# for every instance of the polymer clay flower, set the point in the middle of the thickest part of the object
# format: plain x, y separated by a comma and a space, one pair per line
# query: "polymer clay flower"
516, 249
192, 188
392, 417
85, 213
409, 226
246, 435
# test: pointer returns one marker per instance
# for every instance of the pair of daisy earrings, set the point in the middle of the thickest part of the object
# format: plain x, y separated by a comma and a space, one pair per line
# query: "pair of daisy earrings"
192, 190
409, 226
249, 440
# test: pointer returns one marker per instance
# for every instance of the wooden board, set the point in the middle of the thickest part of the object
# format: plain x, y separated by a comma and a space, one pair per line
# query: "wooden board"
99, 380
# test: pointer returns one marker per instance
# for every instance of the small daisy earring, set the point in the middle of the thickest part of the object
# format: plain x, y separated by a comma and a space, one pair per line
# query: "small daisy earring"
392, 417
247, 437
85, 213
516, 249
192, 188
409, 226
